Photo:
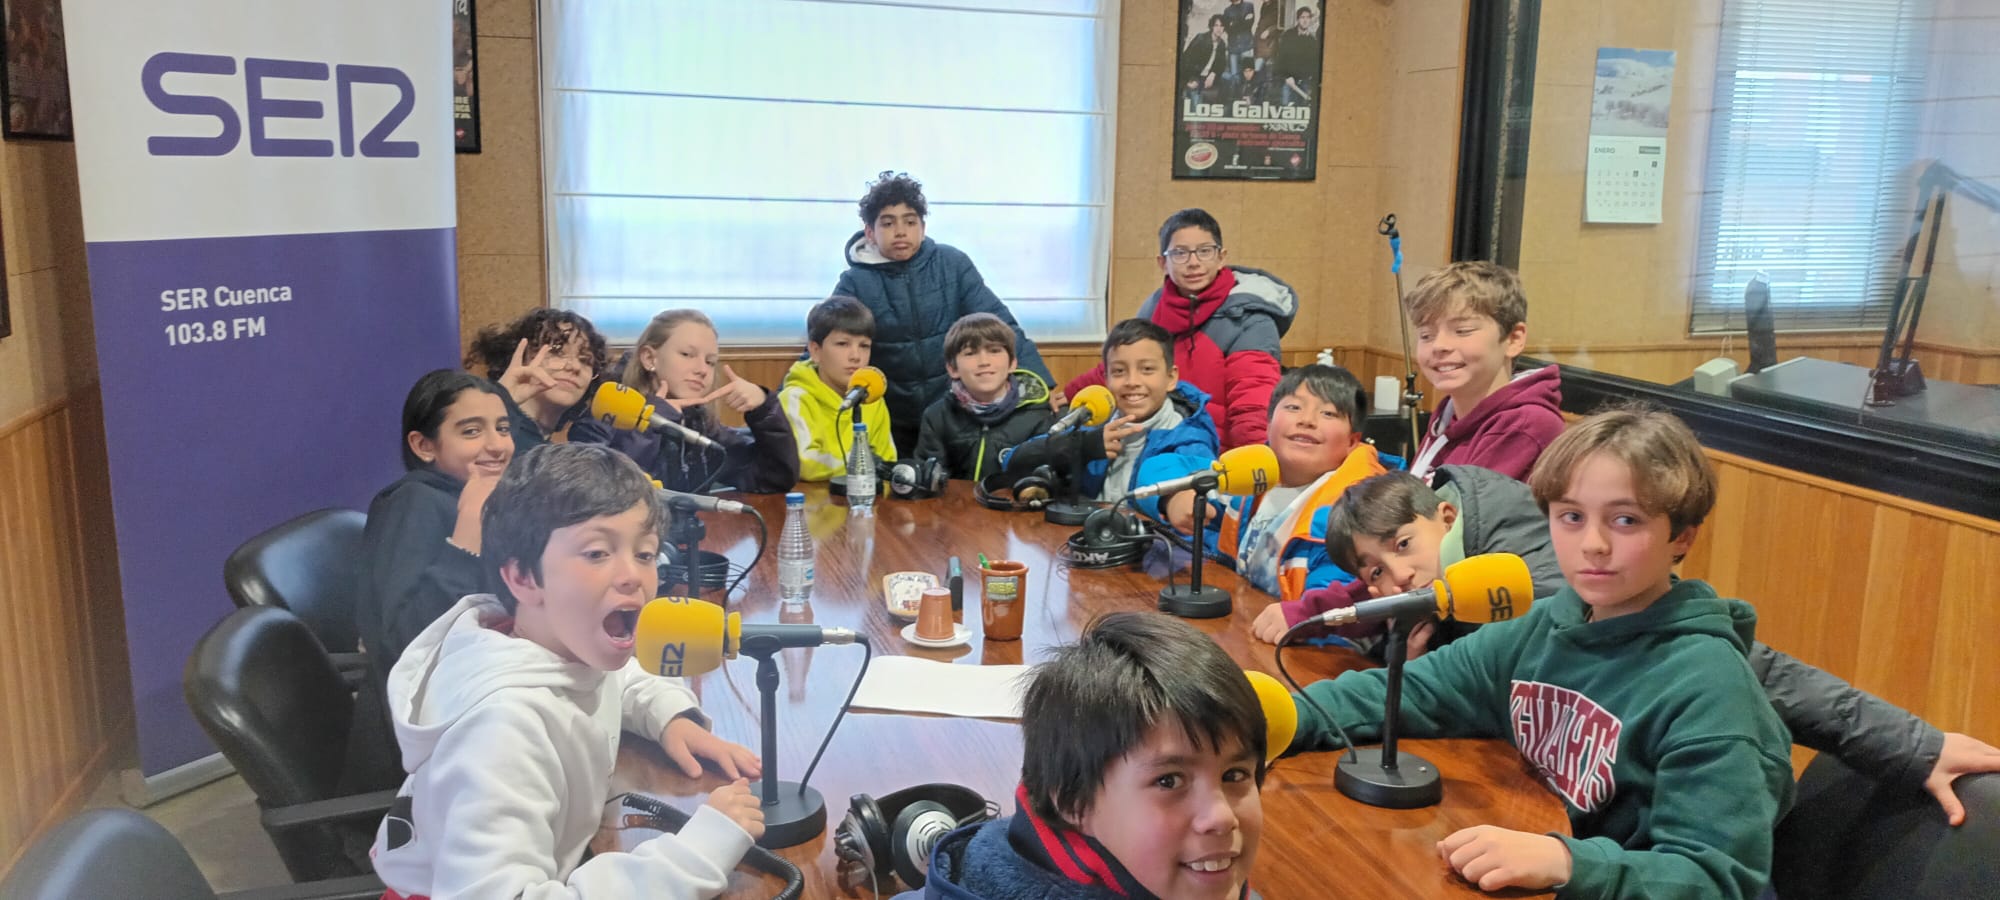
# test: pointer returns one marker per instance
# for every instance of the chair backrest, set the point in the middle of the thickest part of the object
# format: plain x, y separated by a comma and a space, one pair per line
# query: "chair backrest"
266, 693
309, 565
106, 853
1851, 837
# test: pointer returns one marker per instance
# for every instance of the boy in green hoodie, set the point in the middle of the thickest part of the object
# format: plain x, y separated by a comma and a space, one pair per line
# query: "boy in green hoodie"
1628, 691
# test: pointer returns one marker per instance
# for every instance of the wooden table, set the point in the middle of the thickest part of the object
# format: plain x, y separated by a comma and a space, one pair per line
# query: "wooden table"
1316, 842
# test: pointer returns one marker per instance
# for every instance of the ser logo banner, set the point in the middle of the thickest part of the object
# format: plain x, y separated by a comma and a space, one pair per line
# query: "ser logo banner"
260, 78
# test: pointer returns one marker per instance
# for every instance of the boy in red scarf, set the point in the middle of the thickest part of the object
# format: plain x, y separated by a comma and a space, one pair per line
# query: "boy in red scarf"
1226, 321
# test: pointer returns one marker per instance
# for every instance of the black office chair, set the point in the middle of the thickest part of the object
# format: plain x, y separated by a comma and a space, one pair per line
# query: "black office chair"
309, 566
264, 690
1850, 838
119, 853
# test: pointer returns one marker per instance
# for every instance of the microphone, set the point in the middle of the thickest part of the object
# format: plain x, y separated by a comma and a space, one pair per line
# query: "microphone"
1249, 469
1479, 589
866, 386
701, 502
623, 408
1090, 406
680, 637
1281, 714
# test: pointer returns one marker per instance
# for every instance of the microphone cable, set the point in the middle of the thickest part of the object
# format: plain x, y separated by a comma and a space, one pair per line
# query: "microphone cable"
763, 540
670, 819
867, 654
1278, 655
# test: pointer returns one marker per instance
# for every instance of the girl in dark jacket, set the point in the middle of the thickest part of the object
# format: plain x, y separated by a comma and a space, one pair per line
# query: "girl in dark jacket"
675, 361
420, 550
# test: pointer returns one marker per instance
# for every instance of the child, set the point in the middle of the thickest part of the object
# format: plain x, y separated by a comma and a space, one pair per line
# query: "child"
991, 407
1629, 692
1156, 414
1225, 321
1472, 321
420, 549
840, 331
544, 363
509, 708
1276, 540
1141, 778
675, 360
1399, 534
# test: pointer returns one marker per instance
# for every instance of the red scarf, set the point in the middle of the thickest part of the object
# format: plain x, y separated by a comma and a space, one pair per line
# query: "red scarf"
1181, 316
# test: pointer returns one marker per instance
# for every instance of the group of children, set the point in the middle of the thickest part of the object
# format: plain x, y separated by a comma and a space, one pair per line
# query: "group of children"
505, 578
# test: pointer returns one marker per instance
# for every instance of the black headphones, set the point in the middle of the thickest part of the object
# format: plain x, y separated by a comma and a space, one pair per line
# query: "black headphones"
1029, 492
712, 572
918, 479
894, 836
1108, 539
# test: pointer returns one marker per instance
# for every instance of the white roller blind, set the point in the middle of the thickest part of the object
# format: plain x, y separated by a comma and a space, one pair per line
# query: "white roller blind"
1811, 174
712, 154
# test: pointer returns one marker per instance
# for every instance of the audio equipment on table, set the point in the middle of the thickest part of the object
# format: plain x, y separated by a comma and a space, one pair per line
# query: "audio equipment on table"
894, 836
1028, 492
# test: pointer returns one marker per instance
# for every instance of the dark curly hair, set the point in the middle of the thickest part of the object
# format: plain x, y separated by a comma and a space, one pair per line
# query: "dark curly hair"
889, 189
493, 350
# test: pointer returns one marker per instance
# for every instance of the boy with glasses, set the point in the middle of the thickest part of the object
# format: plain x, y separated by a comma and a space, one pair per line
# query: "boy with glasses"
1225, 322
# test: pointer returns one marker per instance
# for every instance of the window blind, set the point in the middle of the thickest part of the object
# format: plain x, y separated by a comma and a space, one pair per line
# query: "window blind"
713, 154
1811, 173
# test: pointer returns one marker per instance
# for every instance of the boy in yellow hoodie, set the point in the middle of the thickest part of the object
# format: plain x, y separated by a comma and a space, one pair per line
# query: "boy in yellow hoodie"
840, 333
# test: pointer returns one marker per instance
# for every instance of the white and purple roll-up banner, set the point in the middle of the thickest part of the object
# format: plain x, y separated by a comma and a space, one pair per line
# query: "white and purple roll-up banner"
269, 209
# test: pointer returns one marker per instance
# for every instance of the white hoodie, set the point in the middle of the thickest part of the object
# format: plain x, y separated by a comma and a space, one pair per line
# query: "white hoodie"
509, 750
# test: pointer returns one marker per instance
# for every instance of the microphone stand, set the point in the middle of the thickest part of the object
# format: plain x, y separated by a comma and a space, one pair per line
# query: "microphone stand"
1072, 509
1195, 600
684, 533
1412, 397
1379, 776
793, 812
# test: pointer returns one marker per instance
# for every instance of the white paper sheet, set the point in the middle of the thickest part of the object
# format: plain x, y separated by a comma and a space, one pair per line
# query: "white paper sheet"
913, 684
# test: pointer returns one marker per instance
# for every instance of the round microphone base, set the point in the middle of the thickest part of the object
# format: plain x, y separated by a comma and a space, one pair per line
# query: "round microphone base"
797, 817
1068, 512
1205, 602
1413, 784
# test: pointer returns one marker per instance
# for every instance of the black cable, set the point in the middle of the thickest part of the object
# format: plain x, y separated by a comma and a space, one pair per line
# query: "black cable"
671, 820
1278, 656
867, 653
763, 538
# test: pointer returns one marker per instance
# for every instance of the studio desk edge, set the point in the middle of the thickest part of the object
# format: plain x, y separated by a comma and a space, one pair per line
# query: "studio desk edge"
1316, 843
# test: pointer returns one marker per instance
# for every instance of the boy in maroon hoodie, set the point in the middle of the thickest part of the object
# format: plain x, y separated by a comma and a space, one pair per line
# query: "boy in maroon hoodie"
1472, 321
1225, 320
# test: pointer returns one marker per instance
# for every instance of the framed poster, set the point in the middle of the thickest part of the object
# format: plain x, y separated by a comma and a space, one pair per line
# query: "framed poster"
34, 81
1246, 91
464, 77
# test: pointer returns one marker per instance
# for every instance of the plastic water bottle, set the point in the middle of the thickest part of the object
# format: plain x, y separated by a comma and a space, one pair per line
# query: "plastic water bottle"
795, 553
860, 470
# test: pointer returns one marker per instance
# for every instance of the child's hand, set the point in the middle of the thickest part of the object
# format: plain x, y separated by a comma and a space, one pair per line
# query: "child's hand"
1058, 401
1961, 755
1179, 509
1270, 624
471, 502
737, 393
526, 378
1115, 434
1495, 858
1419, 641
687, 744
741, 805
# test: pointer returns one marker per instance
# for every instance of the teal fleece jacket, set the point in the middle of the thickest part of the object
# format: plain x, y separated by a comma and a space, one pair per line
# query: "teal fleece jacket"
1650, 726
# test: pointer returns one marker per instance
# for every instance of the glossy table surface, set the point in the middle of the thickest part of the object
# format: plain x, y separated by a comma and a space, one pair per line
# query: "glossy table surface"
1317, 843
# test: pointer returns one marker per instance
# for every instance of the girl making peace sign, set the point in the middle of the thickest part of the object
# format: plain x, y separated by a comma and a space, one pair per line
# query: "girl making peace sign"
675, 361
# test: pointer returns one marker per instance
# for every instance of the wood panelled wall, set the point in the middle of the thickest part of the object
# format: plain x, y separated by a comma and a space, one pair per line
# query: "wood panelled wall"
65, 694
1892, 595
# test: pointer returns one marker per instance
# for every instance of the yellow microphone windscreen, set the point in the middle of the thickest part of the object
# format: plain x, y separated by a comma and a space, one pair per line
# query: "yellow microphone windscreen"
869, 378
1281, 714
620, 407
1491, 587
1245, 470
682, 637
1097, 399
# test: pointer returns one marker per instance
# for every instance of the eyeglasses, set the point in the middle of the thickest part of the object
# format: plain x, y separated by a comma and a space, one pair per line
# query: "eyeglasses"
1205, 253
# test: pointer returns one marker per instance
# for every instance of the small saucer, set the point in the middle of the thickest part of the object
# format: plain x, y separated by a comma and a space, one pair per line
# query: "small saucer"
960, 634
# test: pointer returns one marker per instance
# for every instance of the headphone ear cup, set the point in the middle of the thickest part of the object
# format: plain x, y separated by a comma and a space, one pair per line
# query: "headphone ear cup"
874, 831
918, 828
